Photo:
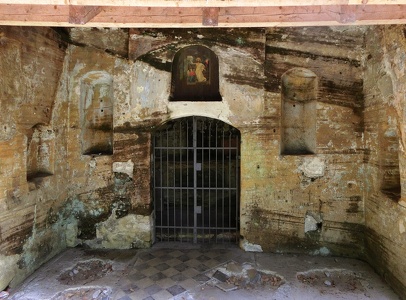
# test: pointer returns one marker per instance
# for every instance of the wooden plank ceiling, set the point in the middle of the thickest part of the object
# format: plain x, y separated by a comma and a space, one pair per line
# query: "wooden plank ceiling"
200, 13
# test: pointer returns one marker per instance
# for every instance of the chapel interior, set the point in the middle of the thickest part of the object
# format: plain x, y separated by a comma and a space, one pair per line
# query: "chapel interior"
279, 128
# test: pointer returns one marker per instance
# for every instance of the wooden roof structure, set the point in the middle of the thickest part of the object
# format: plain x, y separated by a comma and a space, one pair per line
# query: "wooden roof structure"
200, 13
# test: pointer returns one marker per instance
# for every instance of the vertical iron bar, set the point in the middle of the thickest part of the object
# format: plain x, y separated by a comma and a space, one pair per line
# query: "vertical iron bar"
174, 180
223, 182
237, 186
187, 178
154, 182
209, 185
202, 178
194, 179
161, 183
216, 180
229, 181
167, 183
180, 181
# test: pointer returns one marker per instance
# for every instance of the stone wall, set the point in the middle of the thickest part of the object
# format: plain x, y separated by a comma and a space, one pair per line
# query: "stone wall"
385, 208
78, 117
281, 192
295, 203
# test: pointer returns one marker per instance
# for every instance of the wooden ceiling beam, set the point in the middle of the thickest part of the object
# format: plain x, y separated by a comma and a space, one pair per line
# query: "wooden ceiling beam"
82, 14
203, 3
183, 17
210, 16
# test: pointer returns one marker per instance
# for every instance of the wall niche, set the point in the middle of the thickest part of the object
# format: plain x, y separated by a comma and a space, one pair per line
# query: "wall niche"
299, 110
389, 156
96, 107
41, 153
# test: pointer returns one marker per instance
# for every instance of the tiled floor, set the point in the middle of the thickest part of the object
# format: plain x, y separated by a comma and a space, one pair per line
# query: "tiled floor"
187, 272
165, 273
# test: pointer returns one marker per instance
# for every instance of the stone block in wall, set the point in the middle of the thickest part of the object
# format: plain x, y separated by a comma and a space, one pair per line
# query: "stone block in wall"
8, 267
131, 231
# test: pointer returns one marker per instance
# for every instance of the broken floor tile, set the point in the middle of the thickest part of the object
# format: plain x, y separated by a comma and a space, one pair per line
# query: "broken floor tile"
220, 276
234, 267
226, 287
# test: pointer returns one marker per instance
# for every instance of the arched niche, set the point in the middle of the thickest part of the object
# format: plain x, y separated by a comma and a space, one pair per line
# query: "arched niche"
41, 152
389, 154
299, 95
96, 107
195, 75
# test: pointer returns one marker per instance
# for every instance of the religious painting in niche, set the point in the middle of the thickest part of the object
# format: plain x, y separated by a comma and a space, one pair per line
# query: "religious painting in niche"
195, 75
197, 70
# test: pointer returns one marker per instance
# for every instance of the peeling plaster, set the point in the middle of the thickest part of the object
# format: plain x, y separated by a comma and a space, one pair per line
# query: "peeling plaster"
124, 167
313, 167
247, 246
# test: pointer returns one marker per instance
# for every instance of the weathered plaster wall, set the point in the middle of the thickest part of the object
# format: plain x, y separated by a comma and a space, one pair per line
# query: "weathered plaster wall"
278, 193
31, 231
385, 208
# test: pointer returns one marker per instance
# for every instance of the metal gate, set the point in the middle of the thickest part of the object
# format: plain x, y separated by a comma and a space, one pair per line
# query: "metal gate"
196, 181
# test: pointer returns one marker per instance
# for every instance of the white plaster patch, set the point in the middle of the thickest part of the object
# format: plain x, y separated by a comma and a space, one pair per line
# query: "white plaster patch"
247, 246
323, 251
402, 228
313, 167
92, 164
124, 167
310, 223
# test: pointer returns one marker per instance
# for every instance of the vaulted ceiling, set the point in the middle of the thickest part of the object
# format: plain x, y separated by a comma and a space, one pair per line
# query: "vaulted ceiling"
200, 13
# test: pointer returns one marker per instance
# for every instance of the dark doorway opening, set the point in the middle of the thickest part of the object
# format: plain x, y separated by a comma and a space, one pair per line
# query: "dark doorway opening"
196, 180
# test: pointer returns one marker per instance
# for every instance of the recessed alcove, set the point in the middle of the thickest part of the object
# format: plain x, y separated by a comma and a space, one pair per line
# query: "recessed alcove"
389, 156
41, 153
96, 108
299, 115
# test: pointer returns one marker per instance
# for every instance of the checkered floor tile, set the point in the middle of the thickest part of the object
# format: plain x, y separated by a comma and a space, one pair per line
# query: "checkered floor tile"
166, 273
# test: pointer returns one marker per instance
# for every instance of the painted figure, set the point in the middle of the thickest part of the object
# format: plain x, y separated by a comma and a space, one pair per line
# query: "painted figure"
191, 74
200, 69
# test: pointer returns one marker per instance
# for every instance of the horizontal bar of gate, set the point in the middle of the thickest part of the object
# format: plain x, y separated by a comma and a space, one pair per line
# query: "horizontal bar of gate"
191, 148
192, 188
199, 227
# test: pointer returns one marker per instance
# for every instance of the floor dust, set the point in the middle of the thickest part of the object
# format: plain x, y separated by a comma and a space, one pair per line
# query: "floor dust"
199, 272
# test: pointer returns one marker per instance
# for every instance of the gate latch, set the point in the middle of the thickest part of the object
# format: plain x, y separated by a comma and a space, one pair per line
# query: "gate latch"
198, 166
198, 209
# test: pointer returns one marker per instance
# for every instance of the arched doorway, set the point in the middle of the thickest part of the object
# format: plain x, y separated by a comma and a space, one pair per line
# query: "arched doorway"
196, 181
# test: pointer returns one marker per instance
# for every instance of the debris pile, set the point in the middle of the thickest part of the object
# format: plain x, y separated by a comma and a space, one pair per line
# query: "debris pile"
85, 272
342, 280
234, 276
